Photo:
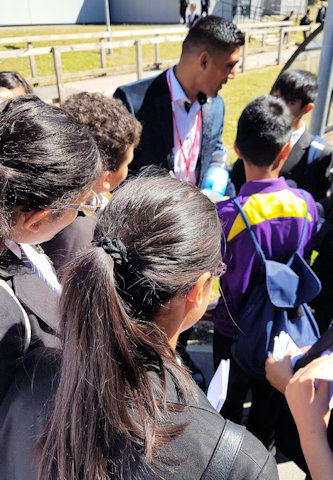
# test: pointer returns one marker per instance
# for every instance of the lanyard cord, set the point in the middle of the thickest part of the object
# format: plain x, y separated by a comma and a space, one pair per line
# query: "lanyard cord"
194, 147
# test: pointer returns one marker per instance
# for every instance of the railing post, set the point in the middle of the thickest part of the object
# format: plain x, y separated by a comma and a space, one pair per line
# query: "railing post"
245, 47
280, 46
138, 48
157, 54
263, 40
58, 73
102, 53
33, 66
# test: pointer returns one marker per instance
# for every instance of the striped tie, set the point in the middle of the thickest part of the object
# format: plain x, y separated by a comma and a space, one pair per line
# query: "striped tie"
37, 271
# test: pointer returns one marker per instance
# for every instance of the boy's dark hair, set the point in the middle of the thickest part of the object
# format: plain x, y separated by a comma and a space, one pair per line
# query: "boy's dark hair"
12, 80
297, 85
213, 34
113, 128
264, 127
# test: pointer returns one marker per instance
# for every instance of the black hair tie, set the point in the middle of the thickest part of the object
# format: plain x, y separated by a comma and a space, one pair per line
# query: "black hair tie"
115, 248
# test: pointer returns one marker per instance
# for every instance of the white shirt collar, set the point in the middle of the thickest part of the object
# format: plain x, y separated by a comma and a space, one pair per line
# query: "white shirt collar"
13, 247
177, 90
296, 134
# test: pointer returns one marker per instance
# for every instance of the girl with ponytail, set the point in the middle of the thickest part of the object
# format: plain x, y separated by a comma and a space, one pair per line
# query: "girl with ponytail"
117, 403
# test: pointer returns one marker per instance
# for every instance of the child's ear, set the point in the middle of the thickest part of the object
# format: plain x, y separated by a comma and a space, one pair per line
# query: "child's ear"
33, 219
237, 150
196, 294
307, 108
282, 157
286, 149
104, 183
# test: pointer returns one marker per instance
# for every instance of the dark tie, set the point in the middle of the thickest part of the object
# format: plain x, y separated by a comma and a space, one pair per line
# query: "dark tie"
187, 106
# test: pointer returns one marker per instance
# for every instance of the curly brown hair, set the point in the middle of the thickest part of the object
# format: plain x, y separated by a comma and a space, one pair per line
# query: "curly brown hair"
113, 128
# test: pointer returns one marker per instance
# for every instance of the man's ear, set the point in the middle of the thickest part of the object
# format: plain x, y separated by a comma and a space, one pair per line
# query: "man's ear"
196, 294
237, 150
33, 219
204, 59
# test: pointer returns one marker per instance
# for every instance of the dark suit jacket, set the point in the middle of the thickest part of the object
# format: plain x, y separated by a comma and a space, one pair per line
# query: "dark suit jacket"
149, 101
309, 177
40, 304
23, 416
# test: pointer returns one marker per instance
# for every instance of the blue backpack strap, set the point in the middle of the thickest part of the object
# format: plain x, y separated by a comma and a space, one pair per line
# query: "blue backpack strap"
305, 224
316, 148
254, 238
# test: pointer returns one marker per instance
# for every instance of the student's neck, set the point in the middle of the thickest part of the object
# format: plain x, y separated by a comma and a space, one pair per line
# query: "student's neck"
260, 173
186, 81
297, 124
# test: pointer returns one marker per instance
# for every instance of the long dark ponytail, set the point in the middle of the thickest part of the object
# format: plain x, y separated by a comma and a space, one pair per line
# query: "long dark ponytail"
153, 241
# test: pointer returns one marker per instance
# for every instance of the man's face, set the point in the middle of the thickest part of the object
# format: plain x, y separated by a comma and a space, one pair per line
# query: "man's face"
219, 68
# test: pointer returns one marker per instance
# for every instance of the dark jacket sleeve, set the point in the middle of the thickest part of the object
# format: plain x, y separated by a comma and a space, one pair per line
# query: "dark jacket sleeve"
253, 461
12, 332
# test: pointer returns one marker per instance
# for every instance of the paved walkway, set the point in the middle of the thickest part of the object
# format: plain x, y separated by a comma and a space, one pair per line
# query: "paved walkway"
108, 84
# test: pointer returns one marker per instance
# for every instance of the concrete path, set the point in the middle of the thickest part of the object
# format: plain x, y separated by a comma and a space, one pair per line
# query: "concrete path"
108, 84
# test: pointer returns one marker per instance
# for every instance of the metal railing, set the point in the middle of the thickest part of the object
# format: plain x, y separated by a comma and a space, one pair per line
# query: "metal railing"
148, 37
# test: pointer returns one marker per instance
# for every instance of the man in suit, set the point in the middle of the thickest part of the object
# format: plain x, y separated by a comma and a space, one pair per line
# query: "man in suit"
321, 13
204, 7
180, 110
298, 88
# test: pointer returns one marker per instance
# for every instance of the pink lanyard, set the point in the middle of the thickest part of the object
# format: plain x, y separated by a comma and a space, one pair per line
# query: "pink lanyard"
194, 147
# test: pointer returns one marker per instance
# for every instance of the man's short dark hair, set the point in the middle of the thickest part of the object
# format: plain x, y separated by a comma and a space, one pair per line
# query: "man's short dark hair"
213, 34
108, 121
297, 85
264, 127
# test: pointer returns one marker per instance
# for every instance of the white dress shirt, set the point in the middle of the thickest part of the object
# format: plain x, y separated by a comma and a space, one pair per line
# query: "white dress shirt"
187, 124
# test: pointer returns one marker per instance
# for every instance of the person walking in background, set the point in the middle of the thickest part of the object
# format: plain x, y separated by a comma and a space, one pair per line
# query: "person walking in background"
192, 16
321, 13
182, 9
204, 7
305, 21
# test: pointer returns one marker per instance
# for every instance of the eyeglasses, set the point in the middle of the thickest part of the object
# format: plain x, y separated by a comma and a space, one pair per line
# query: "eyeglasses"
91, 205
219, 272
